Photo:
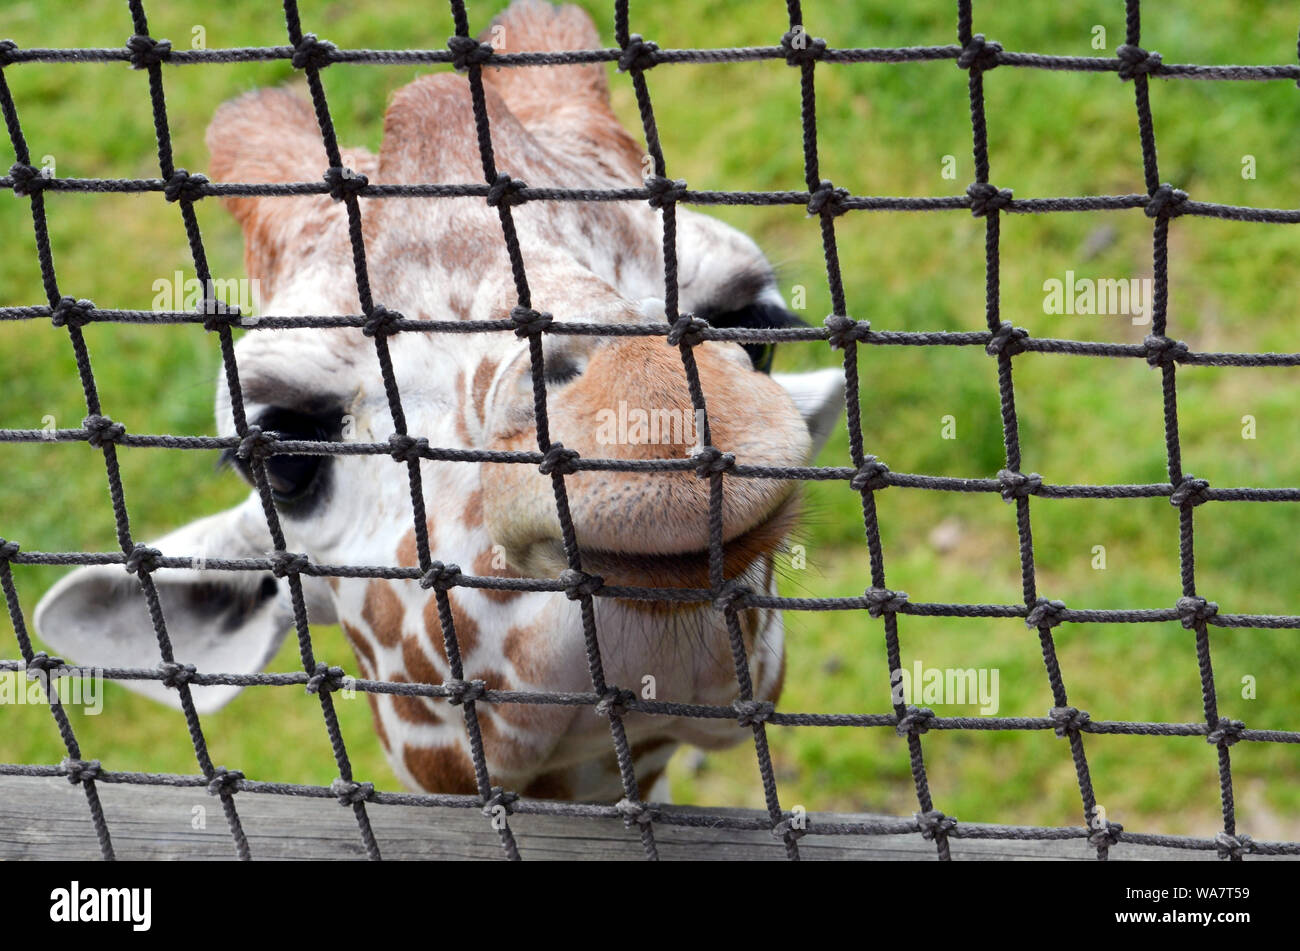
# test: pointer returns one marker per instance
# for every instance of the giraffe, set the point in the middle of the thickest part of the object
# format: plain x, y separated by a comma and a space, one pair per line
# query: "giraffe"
444, 259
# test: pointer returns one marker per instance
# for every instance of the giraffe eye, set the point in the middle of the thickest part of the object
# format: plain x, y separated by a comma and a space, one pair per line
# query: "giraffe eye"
760, 315
295, 479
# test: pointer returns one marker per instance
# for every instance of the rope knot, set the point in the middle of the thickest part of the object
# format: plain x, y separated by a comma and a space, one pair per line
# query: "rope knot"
1166, 202
787, 831
1068, 719
800, 48
500, 799
979, 53
325, 678
844, 330
1018, 485
1162, 350
711, 461
7, 49
285, 563
381, 322
528, 321
311, 53
505, 190
1045, 613
1195, 610
102, 430
224, 782
559, 460
915, 721
614, 702
753, 712
176, 675
344, 182
985, 198
183, 185
883, 601
255, 445
687, 331
638, 54
664, 191
934, 823
826, 199
1233, 846
42, 663
405, 448
1134, 61
7, 549
28, 179
146, 51
465, 691
580, 584
142, 559
1190, 491
731, 595
1007, 339
81, 770
634, 813
72, 313
218, 314
872, 476
440, 577
1226, 732
1106, 834
467, 51
350, 793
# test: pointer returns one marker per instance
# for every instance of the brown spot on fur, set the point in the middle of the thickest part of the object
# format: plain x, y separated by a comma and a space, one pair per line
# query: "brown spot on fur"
472, 515
417, 662
444, 769
333, 582
487, 368
462, 430
383, 612
413, 709
483, 566
365, 653
520, 647
408, 555
466, 628
505, 752
551, 785
379, 723
458, 303
408, 552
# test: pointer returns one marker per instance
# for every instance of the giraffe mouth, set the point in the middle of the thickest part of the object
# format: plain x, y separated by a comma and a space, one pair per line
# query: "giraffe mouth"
691, 569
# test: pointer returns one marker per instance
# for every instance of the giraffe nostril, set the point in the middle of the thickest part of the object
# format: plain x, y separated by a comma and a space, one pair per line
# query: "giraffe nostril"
561, 369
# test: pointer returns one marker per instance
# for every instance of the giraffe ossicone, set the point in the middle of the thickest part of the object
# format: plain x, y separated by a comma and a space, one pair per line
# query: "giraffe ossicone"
445, 259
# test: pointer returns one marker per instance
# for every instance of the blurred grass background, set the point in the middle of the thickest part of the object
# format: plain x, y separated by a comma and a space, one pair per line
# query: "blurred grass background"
883, 130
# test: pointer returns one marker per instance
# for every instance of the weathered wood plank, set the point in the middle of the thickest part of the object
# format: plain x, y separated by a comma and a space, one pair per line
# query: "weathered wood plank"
47, 818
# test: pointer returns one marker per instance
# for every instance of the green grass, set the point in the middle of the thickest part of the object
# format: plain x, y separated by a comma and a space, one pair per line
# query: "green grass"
882, 130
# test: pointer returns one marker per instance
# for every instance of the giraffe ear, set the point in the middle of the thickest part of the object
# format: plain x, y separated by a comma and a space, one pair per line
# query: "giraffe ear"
220, 621
819, 397
270, 136
566, 107
536, 115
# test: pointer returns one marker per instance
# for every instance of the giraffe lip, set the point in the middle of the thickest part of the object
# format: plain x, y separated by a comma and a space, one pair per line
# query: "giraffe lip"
691, 569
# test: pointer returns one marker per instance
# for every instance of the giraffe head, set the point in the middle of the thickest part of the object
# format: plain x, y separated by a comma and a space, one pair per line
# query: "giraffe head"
444, 259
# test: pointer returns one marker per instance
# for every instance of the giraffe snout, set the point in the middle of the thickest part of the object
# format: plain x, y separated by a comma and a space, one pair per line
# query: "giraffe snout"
632, 402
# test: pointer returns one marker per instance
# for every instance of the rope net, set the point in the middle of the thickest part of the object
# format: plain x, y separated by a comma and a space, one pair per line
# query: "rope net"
866, 476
